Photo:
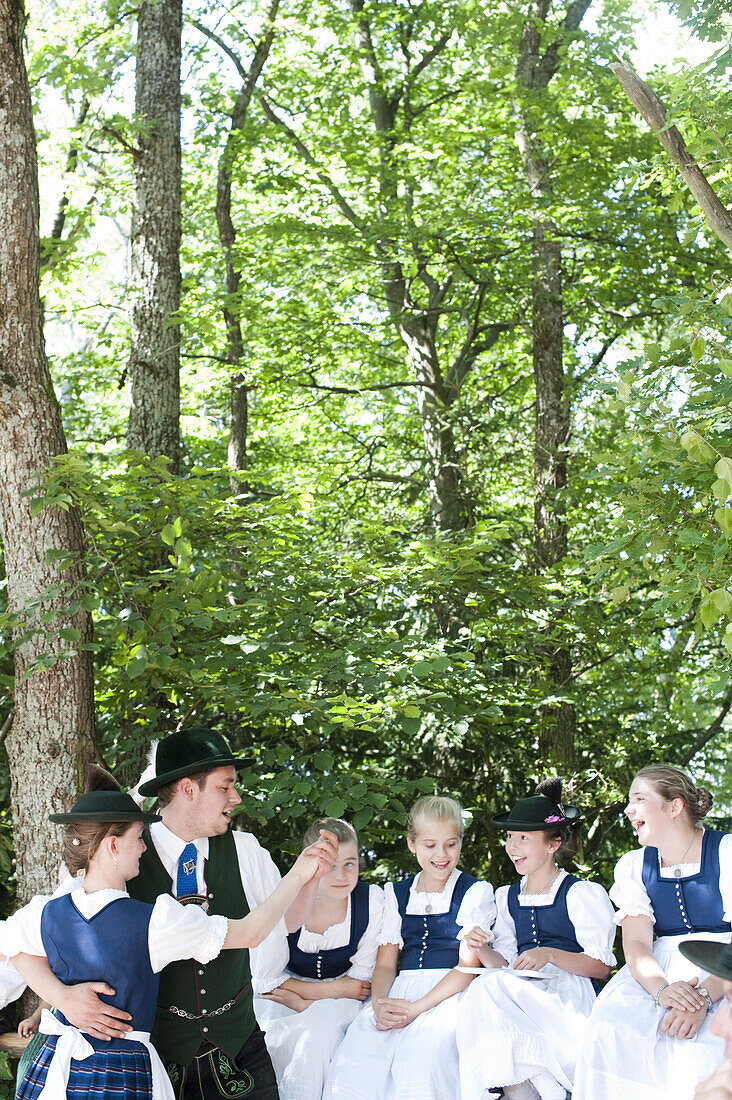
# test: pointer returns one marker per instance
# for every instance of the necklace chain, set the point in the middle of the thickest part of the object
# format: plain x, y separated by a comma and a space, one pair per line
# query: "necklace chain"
679, 862
546, 887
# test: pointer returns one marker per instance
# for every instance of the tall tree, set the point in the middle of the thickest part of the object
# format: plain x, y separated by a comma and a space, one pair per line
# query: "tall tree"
154, 365
52, 736
537, 64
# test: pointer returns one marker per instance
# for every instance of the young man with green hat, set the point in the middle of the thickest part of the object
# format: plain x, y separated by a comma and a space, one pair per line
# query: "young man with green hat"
205, 1028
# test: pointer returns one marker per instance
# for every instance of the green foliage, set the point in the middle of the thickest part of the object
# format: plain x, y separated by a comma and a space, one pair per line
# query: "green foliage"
356, 657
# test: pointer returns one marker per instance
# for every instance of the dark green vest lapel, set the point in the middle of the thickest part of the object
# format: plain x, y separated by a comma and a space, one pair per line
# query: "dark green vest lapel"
192, 988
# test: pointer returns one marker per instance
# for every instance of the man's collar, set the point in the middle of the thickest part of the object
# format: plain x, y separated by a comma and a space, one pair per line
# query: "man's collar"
172, 844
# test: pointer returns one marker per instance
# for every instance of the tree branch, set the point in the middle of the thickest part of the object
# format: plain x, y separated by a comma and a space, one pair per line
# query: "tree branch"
222, 46
430, 56
705, 736
650, 106
341, 202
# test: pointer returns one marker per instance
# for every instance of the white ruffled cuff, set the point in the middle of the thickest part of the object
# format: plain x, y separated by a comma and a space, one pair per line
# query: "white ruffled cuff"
602, 954
265, 983
634, 911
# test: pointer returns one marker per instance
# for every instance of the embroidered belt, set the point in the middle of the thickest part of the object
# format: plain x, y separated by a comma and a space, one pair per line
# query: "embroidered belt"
203, 1015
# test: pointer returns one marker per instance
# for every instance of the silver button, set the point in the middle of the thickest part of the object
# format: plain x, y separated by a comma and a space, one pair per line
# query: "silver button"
200, 972
203, 991
205, 1029
204, 1011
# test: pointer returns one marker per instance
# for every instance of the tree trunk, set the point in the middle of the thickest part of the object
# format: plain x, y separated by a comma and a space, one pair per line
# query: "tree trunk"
52, 736
239, 412
154, 368
534, 71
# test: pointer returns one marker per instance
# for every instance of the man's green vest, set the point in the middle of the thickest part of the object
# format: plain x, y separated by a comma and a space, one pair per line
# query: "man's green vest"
191, 993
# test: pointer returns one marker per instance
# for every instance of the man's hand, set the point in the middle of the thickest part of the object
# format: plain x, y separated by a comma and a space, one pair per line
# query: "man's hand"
82, 1007
317, 859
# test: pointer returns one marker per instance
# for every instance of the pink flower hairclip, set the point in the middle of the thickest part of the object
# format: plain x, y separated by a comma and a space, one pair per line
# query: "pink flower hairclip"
551, 819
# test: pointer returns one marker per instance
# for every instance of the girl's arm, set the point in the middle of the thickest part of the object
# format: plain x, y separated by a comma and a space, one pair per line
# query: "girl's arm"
382, 980
314, 861
574, 963
452, 983
478, 942
337, 988
637, 946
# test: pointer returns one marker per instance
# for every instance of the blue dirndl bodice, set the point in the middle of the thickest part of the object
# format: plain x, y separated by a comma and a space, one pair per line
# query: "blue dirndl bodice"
689, 904
431, 940
334, 961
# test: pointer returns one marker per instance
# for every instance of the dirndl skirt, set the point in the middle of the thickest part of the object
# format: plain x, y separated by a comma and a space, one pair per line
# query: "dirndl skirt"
120, 1068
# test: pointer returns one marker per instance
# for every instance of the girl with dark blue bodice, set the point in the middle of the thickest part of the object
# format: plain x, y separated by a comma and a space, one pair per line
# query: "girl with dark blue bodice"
521, 1022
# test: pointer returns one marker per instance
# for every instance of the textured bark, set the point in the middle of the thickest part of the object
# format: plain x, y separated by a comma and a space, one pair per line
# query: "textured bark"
237, 450
52, 735
534, 70
650, 106
154, 367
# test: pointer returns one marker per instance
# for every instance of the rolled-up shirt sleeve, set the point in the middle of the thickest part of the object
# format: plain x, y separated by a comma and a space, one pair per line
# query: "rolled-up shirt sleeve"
260, 876
183, 932
22, 931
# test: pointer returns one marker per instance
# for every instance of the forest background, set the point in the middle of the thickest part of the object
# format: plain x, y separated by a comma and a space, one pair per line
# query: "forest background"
367, 395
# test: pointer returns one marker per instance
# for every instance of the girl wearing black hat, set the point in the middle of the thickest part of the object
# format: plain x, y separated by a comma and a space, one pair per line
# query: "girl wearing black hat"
677, 884
96, 932
520, 1027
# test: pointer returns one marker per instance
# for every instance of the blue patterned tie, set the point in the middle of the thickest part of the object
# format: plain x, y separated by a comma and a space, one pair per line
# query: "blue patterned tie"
185, 882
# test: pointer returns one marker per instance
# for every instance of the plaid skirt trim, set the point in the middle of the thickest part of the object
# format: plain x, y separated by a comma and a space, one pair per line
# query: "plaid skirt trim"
112, 1074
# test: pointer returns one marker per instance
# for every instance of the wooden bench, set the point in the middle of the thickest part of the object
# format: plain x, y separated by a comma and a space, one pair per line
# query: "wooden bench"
11, 1043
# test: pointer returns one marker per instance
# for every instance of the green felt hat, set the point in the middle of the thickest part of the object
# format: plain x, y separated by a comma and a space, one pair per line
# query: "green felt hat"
103, 806
537, 812
709, 955
186, 752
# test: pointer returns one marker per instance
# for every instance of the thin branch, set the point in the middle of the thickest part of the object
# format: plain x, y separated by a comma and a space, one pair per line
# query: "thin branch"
705, 736
355, 390
243, 73
430, 56
341, 202
650, 106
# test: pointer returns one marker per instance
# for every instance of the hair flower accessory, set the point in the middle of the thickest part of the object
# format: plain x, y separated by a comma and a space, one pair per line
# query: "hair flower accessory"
551, 819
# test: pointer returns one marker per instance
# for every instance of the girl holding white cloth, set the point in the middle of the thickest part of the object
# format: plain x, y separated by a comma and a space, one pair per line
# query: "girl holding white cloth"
519, 1035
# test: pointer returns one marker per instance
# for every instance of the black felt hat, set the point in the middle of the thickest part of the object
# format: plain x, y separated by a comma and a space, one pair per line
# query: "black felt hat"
186, 752
103, 806
537, 812
709, 955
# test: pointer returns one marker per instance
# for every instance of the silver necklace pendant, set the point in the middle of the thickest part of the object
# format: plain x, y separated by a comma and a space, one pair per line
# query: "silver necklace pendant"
428, 907
677, 872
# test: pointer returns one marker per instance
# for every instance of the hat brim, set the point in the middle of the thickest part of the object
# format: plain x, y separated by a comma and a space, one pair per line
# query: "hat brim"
208, 764
708, 954
103, 816
505, 821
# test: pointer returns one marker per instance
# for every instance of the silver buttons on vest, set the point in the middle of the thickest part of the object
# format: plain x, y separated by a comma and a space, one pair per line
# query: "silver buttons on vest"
423, 948
682, 907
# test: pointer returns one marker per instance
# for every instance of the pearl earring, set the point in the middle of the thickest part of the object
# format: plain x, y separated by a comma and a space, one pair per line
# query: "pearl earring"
116, 862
